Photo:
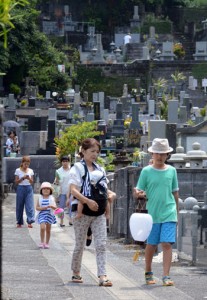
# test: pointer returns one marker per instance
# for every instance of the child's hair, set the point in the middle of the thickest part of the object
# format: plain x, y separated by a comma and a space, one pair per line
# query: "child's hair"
65, 158
25, 159
46, 185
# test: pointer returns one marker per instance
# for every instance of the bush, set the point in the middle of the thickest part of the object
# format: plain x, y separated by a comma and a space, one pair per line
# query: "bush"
15, 89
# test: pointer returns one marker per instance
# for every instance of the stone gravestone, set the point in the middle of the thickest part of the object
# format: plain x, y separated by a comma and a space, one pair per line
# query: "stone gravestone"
113, 104
52, 114
77, 88
90, 117
101, 100
134, 132
157, 129
99, 55
52, 132
125, 90
37, 123
126, 101
11, 102
138, 85
95, 97
190, 83
173, 111
188, 104
182, 95
133, 139
151, 107
183, 115
30, 146
106, 115
96, 108
77, 101
171, 135
107, 102
48, 95
43, 139
167, 51
152, 92
135, 22
135, 124
145, 53
118, 126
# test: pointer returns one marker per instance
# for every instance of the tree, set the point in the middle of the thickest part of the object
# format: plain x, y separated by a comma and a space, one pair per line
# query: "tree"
31, 54
177, 77
70, 140
7, 16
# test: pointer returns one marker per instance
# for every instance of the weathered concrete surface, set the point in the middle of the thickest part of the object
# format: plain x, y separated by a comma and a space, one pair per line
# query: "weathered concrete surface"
30, 273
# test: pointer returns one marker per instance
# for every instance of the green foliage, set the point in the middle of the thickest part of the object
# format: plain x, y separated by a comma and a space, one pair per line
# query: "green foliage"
161, 26
71, 139
203, 112
7, 16
199, 72
23, 102
15, 89
31, 54
190, 123
194, 3
93, 80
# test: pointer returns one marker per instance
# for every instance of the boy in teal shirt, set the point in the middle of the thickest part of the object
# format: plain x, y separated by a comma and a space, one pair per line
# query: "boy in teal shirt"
158, 182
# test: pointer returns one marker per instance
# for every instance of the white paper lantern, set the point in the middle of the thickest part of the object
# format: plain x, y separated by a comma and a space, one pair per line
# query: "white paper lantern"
140, 226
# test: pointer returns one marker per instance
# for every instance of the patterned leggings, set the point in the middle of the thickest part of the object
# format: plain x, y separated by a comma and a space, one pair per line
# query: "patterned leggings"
98, 227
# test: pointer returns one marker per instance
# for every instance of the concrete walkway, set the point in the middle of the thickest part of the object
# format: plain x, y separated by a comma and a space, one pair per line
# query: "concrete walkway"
31, 273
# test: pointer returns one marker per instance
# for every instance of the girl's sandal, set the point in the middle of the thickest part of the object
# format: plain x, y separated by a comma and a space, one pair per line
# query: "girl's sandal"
167, 281
149, 278
77, 279
105, 282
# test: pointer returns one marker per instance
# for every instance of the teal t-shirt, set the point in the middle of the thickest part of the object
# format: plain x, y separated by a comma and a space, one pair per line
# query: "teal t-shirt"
159, 186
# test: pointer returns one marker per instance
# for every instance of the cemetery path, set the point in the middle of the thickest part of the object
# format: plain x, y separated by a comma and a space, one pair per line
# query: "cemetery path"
30, 273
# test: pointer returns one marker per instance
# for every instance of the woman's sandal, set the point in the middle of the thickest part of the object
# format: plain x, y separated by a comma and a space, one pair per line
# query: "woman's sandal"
105, 282
77, 279
149, 278
167, 281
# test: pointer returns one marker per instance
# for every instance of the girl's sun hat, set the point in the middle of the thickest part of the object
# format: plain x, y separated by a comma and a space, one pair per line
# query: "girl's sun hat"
46, 185
160, 146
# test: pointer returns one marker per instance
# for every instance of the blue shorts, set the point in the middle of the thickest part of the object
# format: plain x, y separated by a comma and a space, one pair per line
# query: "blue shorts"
162, 233
62, 200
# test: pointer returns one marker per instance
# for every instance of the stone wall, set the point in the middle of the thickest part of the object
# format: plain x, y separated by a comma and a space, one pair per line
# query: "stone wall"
192, 182
43, 166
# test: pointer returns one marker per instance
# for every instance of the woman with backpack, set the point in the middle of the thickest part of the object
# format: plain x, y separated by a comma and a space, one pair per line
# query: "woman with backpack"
88, 184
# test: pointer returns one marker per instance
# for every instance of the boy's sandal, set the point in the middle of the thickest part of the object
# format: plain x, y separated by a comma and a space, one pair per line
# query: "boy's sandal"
105, 282
149, 278
167, 281
77, 279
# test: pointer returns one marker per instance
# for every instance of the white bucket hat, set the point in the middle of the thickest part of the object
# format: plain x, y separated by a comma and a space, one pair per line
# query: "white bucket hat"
160, 146
46, 185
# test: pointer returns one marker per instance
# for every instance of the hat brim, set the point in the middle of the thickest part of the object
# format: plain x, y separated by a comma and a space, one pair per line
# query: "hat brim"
151, 150
51, 189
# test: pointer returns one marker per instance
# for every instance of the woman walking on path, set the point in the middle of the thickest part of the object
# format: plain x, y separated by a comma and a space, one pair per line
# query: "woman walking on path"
158, 182
61, 179
24, 193
81, 182
45, 217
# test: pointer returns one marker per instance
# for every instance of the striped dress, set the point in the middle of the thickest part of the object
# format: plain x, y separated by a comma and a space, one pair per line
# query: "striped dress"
46, 216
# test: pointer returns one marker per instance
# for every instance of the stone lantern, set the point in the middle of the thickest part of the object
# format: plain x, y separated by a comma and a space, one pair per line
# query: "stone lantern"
196, 156
178, 158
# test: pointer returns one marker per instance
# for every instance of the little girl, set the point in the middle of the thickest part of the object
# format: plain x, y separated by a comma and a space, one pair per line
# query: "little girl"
45, 205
